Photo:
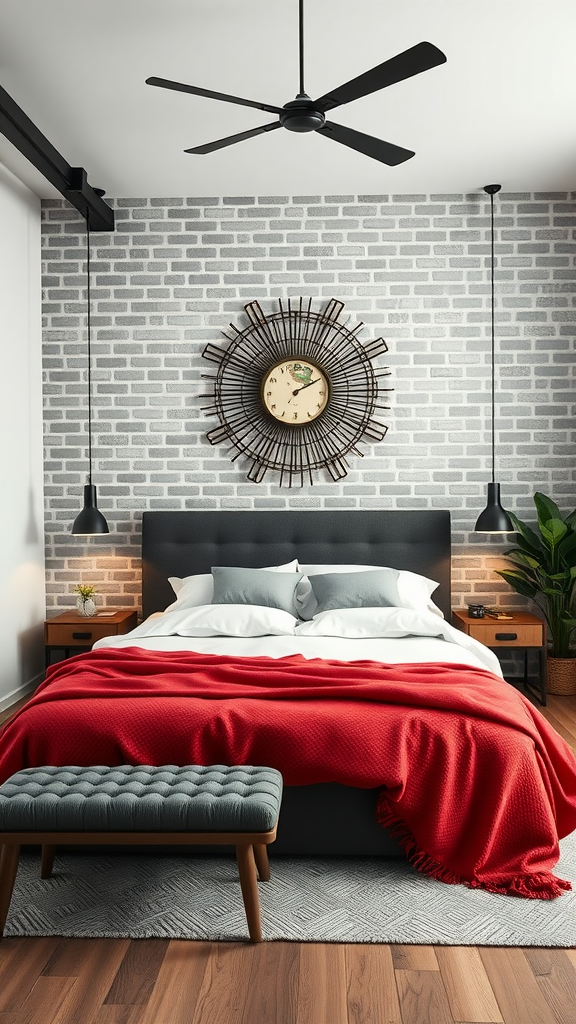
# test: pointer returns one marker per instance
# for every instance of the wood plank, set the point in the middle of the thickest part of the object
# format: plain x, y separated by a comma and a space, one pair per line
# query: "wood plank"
469, 992
273, 985
135, 979
322, 996
423, 998
556, 977
571, 954
564, 708
179, 980
44, 1002
415, 958
68, 957
372, 995
515, 987
24, 971
225, 983
110, 1013
102, 959
9, 950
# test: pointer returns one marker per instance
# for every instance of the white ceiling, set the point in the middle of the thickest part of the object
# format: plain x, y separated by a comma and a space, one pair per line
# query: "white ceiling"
501, 109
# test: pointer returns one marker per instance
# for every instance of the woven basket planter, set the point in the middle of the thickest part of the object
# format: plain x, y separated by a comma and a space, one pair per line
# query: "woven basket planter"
562, 676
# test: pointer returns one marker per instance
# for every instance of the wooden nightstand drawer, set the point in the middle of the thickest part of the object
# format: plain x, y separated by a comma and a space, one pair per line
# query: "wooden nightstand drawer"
81, 633
502, 633
71, 633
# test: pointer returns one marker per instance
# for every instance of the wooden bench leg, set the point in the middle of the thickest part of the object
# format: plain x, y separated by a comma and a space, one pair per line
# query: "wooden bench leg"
262, 863
47, 863
8, 869
249, 886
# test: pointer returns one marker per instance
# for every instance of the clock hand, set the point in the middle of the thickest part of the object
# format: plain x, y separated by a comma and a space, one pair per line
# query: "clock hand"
306, 385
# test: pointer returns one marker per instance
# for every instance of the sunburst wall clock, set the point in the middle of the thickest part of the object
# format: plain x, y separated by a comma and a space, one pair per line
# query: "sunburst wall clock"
295, 391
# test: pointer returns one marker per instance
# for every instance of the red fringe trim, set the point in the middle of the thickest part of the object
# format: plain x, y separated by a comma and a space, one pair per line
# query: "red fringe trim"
540, 886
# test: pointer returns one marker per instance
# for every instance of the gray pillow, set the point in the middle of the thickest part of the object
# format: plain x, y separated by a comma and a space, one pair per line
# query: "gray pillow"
376, 589
256, 586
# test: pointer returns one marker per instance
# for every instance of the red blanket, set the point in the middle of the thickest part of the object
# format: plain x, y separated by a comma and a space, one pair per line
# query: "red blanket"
477, 786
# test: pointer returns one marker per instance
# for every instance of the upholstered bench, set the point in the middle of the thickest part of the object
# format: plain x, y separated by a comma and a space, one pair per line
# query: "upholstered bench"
147, 805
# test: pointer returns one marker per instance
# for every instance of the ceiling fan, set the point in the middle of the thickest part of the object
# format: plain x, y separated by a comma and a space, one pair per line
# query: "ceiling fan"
306, 115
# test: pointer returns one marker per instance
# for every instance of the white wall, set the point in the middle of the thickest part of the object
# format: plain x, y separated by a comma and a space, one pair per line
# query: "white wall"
22, 582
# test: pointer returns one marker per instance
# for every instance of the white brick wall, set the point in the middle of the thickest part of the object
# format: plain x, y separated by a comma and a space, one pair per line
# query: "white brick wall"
414, 269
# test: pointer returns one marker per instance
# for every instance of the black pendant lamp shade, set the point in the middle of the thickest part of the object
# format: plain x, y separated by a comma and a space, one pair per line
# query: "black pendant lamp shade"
494, 519
90, 520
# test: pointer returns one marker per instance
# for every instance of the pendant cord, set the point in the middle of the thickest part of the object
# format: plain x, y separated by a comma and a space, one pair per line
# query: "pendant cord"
89, 352
492, 336
301, 43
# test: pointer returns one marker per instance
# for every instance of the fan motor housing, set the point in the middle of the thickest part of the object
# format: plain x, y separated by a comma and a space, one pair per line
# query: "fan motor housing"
301, 115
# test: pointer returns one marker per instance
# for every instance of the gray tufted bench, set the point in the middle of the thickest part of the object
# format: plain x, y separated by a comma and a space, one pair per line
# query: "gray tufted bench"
147, 805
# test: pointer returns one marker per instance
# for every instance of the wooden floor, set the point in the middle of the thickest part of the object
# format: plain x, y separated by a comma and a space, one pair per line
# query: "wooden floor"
156, 981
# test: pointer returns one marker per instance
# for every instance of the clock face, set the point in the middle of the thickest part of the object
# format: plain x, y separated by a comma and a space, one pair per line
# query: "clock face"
295, 391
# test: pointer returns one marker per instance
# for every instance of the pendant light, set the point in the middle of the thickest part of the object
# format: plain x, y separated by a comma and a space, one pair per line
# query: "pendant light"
90, 520
494, 519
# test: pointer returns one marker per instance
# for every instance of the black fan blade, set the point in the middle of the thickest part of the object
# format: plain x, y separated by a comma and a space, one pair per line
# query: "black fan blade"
210, 147
385, 152
411, 62
165, 83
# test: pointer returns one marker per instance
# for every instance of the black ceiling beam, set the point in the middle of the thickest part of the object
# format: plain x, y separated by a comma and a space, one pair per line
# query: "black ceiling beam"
71, 182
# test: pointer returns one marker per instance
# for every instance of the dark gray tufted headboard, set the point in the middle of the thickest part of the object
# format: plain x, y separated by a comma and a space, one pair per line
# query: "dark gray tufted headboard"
185, 543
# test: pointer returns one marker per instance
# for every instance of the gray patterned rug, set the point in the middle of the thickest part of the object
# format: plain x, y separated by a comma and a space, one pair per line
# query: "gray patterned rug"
315, 900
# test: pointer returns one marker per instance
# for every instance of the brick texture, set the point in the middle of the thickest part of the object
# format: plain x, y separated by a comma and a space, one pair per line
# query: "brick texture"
414, 269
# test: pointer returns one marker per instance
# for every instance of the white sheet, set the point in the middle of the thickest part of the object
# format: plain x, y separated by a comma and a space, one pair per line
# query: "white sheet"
160, 633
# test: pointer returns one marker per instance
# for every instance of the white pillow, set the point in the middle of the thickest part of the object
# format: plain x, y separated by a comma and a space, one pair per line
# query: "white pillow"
192, 591
361, 623
414, 591
234, 620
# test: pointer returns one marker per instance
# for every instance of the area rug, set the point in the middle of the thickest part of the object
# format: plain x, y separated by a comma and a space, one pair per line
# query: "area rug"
307, 900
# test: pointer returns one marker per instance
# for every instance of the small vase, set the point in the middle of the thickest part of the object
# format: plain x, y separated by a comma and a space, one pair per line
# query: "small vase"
85, 606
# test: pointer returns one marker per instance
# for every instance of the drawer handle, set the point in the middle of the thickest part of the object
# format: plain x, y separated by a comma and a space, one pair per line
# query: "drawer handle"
81, 636
506, 636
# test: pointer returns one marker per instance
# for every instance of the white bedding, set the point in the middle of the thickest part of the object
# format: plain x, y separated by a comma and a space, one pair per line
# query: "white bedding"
433, 640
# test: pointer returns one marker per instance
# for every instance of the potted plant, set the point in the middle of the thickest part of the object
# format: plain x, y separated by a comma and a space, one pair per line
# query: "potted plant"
544, 569
85, 601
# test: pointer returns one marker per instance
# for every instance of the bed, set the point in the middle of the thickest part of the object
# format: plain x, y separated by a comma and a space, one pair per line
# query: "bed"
429, 702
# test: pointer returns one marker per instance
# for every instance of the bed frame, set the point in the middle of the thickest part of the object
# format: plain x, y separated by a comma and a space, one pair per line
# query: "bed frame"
328, 818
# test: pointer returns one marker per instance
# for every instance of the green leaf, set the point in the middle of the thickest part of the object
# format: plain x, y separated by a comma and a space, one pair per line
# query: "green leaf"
557, 594
521, 558
553, 531
531, 549
546, 508
567, 549
526, 534
568, 620
519, 582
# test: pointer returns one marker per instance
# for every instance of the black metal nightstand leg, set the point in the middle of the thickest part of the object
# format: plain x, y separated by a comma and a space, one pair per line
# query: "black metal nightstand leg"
540, 695
543, 662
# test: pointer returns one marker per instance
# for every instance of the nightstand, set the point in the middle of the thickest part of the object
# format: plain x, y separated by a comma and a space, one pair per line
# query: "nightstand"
73, 633
523, 631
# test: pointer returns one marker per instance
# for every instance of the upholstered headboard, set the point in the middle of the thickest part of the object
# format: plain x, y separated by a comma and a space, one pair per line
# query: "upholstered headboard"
186, 543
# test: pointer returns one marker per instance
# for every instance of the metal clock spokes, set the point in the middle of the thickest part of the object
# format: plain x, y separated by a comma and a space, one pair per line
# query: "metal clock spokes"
263, 397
